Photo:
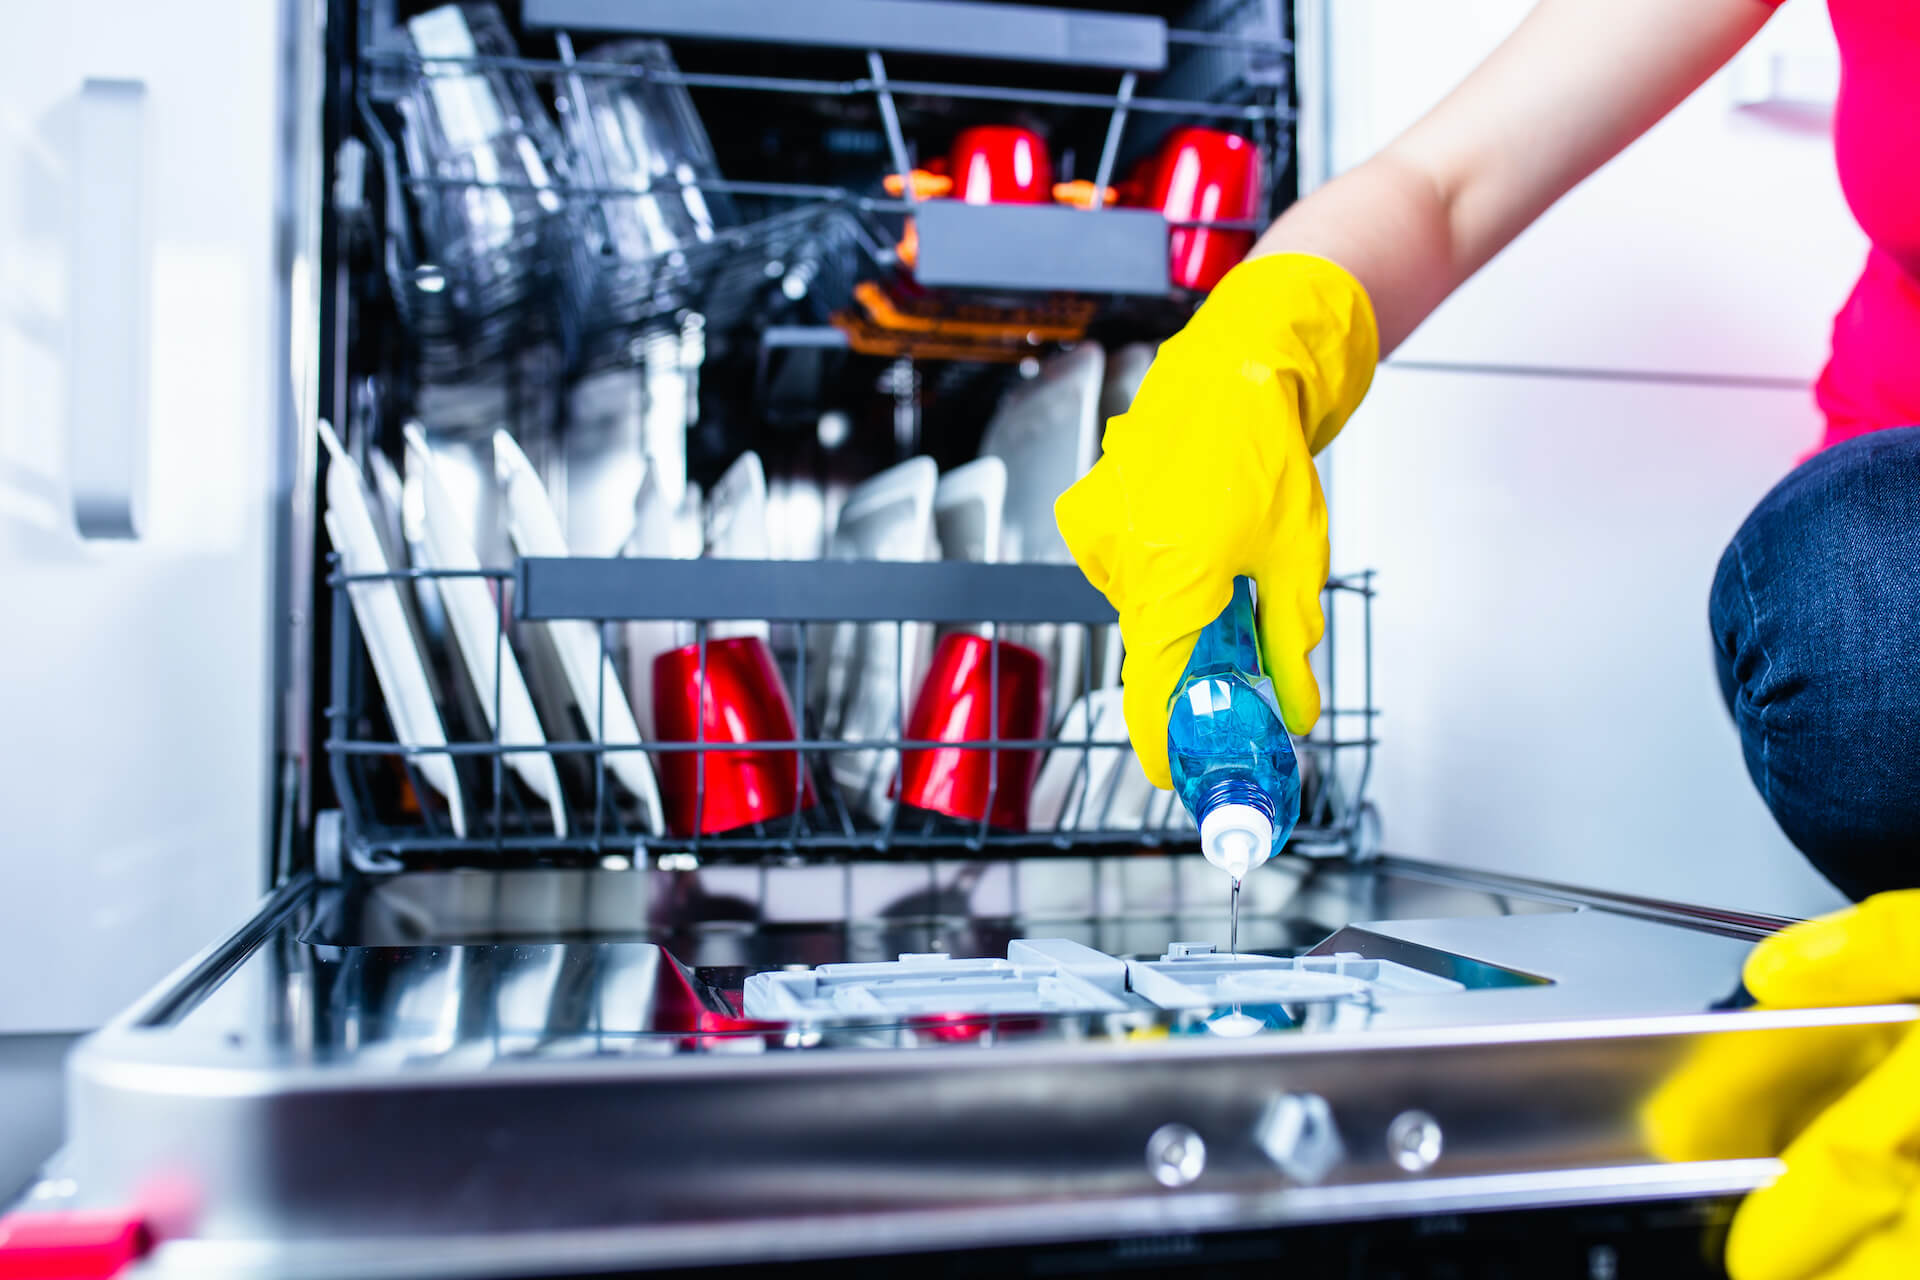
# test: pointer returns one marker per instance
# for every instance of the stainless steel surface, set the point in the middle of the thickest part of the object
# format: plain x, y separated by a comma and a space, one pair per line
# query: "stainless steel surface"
375, 1074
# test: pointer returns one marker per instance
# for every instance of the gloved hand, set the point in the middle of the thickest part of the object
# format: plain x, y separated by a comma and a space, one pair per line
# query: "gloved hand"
1210, 475
1840, 1104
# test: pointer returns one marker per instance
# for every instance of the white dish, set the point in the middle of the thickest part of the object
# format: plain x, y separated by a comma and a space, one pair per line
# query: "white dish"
391, 521
969, 509
1126, 370
421, 607
736, 529
662, 530
1099, 788
736, 521
477, 631
1074, 791
381, 614
868, 671
601, 461
1047, 433
589, 671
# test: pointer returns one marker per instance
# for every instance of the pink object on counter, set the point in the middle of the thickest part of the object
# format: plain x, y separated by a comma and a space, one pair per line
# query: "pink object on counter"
71, 1245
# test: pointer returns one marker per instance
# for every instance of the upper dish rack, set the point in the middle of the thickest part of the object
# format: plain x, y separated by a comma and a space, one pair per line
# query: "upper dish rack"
576, 200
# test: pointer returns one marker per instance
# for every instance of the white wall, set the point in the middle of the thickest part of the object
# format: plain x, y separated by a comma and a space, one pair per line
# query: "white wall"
1546, 473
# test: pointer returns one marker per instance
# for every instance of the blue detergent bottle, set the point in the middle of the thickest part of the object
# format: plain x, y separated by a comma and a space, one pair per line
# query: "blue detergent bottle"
1232, 761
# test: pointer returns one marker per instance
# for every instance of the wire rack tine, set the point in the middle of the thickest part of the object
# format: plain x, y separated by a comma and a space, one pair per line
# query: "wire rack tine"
885, 839
993, 732
700, 629
600, 788
799, 756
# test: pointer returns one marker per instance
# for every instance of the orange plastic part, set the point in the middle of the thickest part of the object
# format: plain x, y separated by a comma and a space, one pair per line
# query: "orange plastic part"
1079, 194
926, 185
1061, 321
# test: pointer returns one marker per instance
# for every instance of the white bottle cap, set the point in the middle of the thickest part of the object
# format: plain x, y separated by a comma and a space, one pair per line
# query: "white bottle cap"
1236, 838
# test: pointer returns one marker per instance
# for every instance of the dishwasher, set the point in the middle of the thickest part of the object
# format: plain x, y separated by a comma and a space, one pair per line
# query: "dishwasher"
708, 840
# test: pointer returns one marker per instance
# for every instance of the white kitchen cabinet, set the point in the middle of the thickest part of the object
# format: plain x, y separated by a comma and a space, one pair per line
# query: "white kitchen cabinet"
136, 737
1545, 545
1718, 245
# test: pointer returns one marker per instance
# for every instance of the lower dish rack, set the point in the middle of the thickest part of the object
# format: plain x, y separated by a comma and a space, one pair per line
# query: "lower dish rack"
784, 711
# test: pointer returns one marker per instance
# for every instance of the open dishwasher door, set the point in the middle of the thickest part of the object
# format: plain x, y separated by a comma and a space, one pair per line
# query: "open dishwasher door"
496, 1073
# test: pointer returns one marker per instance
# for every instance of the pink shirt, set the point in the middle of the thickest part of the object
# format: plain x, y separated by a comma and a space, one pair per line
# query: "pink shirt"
1872, 378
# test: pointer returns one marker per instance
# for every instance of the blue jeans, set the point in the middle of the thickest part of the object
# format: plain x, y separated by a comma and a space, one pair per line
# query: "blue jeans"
1815, 614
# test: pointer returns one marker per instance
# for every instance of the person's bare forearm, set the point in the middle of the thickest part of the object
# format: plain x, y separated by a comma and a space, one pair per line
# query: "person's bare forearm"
1574, 84
1390, 226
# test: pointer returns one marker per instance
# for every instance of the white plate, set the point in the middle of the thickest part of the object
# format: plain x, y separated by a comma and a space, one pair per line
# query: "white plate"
736, 523
736, 529
662, 530
377, 607
589, 671
1074, 790
421, 607
476, 623
1126, 370
868, 672
969, 509
1084, 788
1047, 432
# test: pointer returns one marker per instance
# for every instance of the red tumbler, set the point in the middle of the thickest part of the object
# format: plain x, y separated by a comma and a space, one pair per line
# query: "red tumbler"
955, 704
1000, 164
1202, 175
742, 700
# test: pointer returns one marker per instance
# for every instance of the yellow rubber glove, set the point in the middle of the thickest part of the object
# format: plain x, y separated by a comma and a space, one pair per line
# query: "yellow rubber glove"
1841, 1105
1210, 475
1849, 1204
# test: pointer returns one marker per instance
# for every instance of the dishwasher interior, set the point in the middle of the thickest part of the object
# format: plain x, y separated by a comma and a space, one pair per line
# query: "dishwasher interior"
675, 404
714, 838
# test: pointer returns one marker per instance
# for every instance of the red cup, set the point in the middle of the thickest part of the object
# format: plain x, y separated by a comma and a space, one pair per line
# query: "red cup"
742, 700
1000, 164
1202, 175
955, 704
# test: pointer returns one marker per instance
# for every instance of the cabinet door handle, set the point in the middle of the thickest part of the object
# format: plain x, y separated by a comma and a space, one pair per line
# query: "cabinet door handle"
111, 267
1805, 82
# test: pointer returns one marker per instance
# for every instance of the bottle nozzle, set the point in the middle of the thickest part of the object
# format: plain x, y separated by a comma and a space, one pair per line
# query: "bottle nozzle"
1236, 838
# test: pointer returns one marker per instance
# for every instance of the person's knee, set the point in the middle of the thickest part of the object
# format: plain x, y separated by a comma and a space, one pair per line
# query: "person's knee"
1816, 618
